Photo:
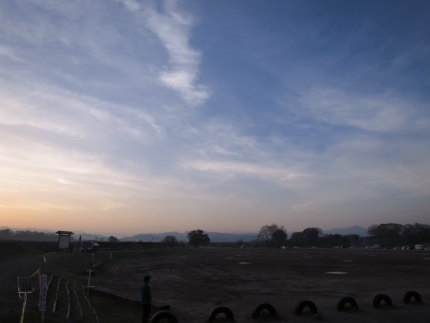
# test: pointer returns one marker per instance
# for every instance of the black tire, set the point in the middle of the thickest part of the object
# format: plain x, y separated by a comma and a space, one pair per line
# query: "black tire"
163, 315
265, 307
347, 301
303, 304
412, 294
221, 310
381, 298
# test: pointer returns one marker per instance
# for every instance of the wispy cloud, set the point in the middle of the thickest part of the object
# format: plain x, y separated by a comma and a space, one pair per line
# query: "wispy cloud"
384, 112
9, 53
232, 168
173, 28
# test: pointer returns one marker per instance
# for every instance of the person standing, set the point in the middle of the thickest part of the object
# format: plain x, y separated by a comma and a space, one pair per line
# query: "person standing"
145, 292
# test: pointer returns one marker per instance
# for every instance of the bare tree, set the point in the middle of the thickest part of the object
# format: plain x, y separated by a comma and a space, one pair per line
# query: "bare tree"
273, 234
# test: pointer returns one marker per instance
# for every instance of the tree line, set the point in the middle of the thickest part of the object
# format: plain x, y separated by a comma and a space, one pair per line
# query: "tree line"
26, 235
394, 235
276, 236
387, 235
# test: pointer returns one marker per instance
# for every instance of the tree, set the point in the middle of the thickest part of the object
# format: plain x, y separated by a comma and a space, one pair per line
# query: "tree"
6, 234
113, 239
273, 235
353, 240
333, 240
279, 237
170, 240
296, 239
197, 238
310, 236
387, 234
266, 232
416, 233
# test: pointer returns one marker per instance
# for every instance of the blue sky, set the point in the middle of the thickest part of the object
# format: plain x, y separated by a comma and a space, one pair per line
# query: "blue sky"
134, 116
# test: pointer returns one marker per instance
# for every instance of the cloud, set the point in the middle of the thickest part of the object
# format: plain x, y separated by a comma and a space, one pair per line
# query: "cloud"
9, 53
59, 111
384, 113
270, 173
173, 29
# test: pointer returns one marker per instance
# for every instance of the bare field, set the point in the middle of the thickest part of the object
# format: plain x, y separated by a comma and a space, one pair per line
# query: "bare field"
194, 281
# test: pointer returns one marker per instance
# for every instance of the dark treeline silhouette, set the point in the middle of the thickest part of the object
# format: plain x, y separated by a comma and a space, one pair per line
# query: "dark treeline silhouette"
387, 235
8, 234
395, 235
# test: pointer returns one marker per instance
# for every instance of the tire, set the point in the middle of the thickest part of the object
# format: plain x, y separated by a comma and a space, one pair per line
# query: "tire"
265, 307
309, 304
163, 315
221, 310
381, 297
412, 294
347, 300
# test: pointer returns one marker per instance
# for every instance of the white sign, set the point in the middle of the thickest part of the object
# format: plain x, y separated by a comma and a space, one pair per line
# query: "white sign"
64, 242
43, 292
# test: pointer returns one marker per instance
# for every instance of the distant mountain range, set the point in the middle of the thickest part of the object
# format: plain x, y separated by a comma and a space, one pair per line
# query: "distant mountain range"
182, 236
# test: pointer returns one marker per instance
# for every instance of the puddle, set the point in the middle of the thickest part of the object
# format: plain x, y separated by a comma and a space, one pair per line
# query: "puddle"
336, 272
244, 263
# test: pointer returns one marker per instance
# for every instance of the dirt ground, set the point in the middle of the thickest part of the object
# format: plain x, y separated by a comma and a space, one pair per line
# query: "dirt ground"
195, 281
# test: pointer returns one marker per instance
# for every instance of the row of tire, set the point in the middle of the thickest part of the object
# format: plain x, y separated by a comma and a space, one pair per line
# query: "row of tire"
345, 304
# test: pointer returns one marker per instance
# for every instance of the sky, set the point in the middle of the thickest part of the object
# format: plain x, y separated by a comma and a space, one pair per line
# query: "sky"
128, 116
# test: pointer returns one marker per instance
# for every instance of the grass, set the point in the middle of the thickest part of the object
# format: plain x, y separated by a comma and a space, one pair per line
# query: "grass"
10, 250
111, 311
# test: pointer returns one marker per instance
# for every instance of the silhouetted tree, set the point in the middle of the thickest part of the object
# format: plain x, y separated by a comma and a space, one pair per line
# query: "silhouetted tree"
26, 235
6, 234
353, 240
296, 239
273, 235
197, 238
310, 236
333, 240
416, 233
170, 240
113, 239
279, 237
387, 234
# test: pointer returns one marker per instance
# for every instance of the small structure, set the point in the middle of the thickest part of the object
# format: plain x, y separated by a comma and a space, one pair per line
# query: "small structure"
64, 239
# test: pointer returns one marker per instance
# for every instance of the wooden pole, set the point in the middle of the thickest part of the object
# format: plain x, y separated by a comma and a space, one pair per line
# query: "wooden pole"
24, 305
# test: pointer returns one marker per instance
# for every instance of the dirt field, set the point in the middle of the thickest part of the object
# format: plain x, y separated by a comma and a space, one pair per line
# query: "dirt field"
194, 281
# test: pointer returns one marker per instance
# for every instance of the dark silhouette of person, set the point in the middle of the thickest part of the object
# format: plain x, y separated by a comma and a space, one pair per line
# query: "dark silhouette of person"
145, 292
